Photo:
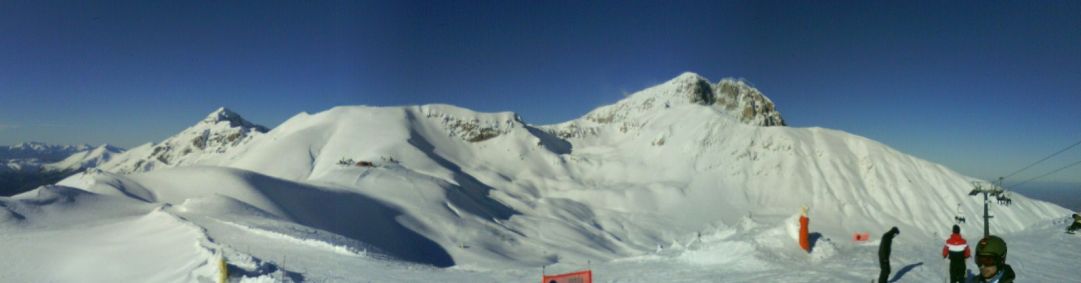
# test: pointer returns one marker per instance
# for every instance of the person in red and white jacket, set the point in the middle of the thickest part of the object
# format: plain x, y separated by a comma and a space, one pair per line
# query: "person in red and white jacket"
957, 251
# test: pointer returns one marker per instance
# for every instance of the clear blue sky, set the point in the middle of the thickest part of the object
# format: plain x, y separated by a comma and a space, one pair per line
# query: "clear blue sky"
982, 87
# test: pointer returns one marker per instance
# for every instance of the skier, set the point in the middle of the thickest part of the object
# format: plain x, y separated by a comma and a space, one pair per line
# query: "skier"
991, 259
884, 254
1076, 224
956, 249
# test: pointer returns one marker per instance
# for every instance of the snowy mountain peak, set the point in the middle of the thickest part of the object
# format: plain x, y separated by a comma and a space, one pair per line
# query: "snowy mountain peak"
686, 93
690, 87
688, 77
223, 114
206, 142
86, 158
734, 96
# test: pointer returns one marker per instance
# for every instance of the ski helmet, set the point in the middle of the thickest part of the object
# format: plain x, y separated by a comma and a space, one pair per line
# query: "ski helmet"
991, 246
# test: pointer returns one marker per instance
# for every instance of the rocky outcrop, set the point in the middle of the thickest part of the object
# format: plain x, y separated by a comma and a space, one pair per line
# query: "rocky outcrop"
732, 97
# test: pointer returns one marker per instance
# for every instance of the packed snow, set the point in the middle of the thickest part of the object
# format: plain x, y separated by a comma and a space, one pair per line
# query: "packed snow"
686, 181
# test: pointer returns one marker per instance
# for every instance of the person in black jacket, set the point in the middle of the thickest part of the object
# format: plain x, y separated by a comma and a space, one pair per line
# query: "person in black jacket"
884, 254
1076, 224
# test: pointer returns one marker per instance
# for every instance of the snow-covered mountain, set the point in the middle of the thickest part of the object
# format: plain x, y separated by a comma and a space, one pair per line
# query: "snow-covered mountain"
729, 97
86, 158
688, 175
34, 164
36, 156
36, 153
667, 152
206, 142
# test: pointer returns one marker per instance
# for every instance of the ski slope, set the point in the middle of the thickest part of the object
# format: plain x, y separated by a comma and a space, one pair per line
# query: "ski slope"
686, 181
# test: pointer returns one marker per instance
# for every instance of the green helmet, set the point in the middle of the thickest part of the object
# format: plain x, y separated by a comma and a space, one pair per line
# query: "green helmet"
992, 246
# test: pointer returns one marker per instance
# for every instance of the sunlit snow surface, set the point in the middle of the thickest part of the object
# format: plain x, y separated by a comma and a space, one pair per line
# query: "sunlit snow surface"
62, 234
658, 187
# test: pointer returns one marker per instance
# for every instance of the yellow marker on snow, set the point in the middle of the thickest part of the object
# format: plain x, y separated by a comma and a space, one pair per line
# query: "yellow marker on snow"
223, 270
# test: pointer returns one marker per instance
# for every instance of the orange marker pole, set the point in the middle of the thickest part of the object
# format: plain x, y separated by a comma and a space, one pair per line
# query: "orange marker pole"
803, 230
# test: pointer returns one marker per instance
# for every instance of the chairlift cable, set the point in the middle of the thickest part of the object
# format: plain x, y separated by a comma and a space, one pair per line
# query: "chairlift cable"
1048, 173
1042, 160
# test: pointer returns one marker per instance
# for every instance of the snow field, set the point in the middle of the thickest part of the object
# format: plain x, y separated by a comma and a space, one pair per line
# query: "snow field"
666, 185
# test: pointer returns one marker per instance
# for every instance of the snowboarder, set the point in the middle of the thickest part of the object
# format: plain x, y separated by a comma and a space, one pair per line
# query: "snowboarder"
1076, 224
956, 249
991, 259
884, 254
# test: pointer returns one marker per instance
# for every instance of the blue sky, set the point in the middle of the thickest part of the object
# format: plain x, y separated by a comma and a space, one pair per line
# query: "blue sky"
984, 88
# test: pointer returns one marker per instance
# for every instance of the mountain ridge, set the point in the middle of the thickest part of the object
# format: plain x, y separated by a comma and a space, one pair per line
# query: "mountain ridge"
40, 150
39, 164
732, 98
672, 161
202, 143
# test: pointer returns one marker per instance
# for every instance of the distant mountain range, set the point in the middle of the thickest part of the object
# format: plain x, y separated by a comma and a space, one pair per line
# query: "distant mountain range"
39, 151
28, 165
